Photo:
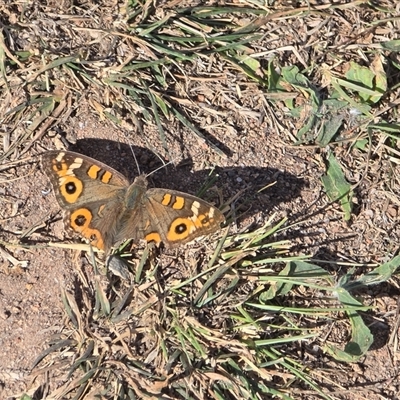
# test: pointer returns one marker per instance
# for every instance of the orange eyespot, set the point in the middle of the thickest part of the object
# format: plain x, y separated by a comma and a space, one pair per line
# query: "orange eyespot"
180, 229
71, 188
80, 220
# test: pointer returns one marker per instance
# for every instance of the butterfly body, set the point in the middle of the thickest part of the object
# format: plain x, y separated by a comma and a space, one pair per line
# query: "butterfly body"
101, 205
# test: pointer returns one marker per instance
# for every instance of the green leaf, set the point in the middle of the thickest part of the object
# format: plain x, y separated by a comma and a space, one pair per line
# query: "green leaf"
336, 186
380, 274
329, 128
25, 397
361, 144
331, 118
386, 127
297, 271
300, 82
369, 83
391, 45
251, 62
361, 337
362, 108
273, 78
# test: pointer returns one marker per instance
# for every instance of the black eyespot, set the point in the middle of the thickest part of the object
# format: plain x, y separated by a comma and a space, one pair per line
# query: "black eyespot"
70, 188
80, 220
181, 228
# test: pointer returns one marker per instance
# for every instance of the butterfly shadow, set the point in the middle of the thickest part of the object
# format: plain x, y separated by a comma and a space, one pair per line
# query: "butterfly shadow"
249, 180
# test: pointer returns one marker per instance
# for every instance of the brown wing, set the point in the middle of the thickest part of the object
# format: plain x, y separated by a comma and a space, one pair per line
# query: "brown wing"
78, 179
161, 215
90, 193
177, 218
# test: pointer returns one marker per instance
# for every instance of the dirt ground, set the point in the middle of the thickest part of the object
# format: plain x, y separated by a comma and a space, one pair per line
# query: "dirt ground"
256, 155
31, 309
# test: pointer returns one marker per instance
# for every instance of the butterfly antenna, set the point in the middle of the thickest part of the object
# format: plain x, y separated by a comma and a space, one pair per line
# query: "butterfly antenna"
157, 169
136, 161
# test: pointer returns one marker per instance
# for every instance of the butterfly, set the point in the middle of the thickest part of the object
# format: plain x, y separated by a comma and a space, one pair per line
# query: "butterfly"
101, 205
